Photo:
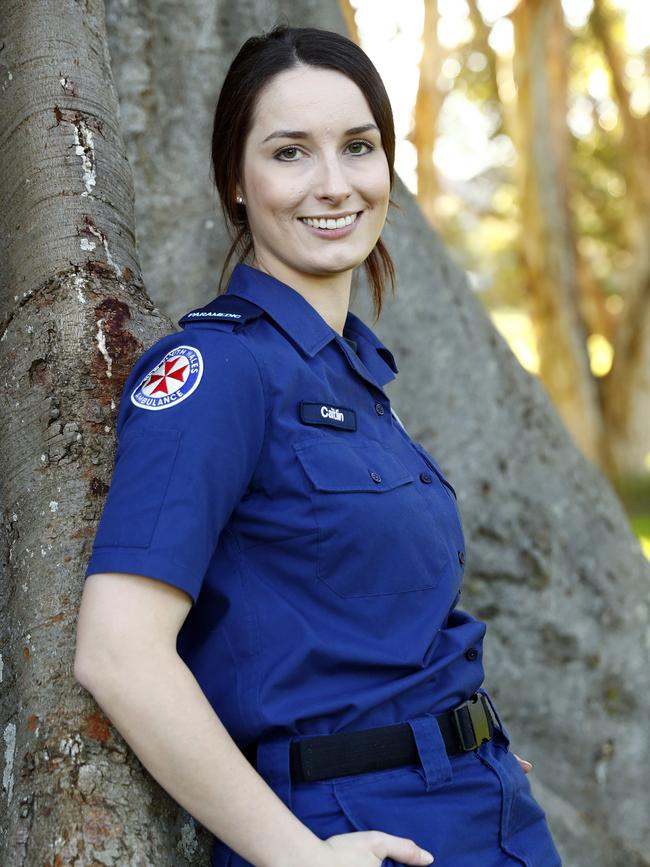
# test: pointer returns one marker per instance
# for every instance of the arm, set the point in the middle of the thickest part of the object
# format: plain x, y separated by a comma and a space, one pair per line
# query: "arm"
126, 657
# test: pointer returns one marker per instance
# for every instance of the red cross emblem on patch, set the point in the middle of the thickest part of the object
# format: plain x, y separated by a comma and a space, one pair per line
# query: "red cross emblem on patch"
171, 381
167, 377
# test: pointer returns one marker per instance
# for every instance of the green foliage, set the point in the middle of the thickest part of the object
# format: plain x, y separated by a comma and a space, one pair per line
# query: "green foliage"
483, 231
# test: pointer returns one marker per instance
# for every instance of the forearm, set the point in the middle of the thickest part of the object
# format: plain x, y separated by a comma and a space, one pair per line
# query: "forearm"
160, 710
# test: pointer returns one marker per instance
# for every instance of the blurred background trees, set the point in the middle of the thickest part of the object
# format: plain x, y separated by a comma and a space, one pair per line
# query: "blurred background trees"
524, 133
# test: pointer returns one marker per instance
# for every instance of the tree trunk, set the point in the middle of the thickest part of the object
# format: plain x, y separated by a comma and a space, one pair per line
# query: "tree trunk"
548, 240
427, 109
552, 565
74, 317
627, 386
350, 21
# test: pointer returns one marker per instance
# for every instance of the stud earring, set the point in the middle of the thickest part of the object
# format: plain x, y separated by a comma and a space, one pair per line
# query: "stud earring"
239, 200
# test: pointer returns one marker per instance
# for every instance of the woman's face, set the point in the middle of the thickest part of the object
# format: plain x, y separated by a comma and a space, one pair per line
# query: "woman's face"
313, 152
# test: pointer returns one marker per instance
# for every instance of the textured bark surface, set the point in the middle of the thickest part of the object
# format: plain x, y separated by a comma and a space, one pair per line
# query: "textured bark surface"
552, 565
73, 317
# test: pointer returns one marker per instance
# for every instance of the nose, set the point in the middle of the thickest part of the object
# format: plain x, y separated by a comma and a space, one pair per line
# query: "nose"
332, 181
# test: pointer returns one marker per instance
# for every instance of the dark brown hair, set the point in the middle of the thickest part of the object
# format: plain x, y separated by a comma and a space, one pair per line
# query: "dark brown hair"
258, 60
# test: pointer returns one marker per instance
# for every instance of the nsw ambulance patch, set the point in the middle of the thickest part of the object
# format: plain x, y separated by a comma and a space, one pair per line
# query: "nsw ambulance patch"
171, 381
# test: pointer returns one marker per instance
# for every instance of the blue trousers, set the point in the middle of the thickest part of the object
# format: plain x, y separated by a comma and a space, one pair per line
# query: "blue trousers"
475, 809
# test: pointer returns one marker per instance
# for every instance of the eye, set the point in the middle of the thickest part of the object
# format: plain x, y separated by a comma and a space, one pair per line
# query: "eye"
289, 149
365, 144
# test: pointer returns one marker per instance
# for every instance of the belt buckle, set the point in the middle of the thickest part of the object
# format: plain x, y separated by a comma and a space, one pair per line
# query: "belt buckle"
479, 721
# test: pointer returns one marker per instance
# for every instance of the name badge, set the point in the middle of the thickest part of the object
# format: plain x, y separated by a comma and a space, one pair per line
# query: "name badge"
325, 413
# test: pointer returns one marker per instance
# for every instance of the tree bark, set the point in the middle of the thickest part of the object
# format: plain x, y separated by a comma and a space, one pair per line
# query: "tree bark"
73, 318
548, 239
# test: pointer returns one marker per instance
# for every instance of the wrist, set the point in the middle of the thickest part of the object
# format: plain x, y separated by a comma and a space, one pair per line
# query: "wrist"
310, 850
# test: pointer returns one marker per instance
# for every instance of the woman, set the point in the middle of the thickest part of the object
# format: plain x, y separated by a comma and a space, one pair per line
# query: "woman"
269, 616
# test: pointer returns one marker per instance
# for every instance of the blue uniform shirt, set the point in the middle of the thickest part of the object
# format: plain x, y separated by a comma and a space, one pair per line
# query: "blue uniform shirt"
261, 469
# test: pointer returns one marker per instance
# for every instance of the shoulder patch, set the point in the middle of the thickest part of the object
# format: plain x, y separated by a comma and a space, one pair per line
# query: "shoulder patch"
173, 379
224, 308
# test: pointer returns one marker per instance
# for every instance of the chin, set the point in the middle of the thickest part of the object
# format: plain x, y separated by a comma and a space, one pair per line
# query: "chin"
337, 267
346, 261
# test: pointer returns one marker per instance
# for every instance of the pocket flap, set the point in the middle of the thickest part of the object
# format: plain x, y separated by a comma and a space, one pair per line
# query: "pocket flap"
339, 466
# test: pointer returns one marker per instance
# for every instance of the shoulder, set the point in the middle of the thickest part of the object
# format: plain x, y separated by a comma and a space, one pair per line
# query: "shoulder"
206, 361
224, 310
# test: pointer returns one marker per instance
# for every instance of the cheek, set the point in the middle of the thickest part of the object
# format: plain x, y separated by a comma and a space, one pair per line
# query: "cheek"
379, 185
276, 198
374, 183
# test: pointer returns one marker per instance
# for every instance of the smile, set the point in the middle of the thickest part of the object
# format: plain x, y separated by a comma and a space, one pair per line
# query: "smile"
322, 223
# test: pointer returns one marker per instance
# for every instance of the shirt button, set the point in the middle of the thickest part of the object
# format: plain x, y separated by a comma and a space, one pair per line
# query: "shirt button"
379, 409
471, 654
426, 478
375, 477
461, 557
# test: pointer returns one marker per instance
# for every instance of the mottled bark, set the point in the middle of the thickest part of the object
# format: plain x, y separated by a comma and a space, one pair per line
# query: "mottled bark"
548, 239
73, 317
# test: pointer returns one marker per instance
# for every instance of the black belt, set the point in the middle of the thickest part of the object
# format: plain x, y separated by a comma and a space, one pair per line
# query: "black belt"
463, 728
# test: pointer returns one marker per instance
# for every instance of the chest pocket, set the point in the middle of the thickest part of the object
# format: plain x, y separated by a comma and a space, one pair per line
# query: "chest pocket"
374, 536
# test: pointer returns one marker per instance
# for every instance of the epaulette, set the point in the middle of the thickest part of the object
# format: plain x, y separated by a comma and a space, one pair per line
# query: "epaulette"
224, 308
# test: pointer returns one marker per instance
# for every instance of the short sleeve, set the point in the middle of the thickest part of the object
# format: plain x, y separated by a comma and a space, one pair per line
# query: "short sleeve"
190, 431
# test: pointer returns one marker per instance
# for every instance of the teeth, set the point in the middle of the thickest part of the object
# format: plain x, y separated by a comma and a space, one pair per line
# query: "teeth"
330, 224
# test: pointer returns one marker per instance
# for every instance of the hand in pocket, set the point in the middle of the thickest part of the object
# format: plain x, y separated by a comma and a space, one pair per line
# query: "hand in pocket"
371, 848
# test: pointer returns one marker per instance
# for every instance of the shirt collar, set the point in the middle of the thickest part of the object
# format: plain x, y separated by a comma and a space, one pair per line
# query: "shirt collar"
304, 324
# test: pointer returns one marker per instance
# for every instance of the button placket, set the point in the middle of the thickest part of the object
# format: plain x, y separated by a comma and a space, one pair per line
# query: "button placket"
422, 453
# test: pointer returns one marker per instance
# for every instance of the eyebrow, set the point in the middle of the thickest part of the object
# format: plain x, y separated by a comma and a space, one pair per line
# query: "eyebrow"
298, 133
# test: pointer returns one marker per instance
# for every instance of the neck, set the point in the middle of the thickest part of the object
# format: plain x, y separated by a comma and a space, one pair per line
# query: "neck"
329, 294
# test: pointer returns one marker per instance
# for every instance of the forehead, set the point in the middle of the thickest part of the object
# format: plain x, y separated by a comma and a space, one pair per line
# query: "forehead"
312, 99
